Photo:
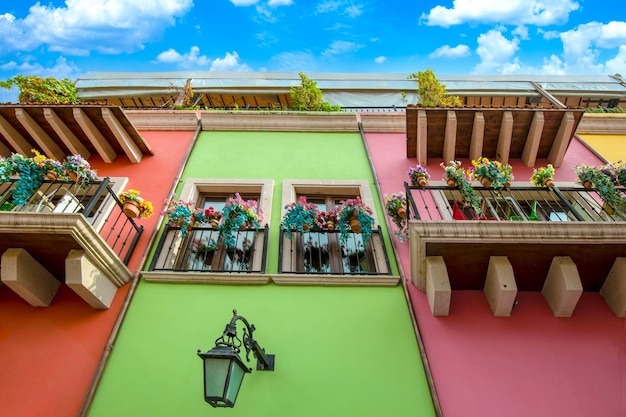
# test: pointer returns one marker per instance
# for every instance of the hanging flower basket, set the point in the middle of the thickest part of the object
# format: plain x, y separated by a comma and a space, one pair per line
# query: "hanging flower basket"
418, 176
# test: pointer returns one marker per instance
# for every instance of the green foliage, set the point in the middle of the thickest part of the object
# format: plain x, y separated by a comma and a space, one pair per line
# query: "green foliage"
308, 97
454, 171
432, 92
600, 109
540, 175
35, 89
604, 182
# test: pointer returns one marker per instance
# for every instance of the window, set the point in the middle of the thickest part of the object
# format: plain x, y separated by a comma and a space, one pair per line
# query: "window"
322, 252
201, 249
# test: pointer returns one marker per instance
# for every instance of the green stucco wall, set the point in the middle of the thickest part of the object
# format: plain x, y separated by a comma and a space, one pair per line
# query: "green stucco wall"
340, 351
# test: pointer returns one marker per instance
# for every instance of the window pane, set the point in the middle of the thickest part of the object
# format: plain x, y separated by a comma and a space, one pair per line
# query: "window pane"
316, 253
353, 255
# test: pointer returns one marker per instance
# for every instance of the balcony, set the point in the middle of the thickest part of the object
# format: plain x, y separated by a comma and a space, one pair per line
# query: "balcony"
559, 241
319, 257
70, 233
200, 255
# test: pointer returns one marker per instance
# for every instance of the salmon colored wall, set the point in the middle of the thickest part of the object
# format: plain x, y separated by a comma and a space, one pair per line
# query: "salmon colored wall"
48, 355
530, 364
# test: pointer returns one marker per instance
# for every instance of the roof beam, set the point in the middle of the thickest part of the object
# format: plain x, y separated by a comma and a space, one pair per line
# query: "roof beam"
45, 142
478, 136
125, 141
503, 150
5, 152
562, 139
67, 136
449, 141
531, 147
105, 150
15, 139
422, 138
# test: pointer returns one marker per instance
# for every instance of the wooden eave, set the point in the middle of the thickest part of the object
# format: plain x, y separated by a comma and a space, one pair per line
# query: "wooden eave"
497, 133
61, 130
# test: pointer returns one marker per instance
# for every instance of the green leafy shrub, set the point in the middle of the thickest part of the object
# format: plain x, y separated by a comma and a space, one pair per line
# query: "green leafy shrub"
35, 89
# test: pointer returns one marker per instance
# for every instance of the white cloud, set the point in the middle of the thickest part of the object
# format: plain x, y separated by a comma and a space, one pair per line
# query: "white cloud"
107, 26
276, 3
345, 8
294, 61
341, 48
244, 2
549, 34
230, 62
188, 60
380, 59
617, 65
581, 46
446, 51
522, 32
495, 52
510, 12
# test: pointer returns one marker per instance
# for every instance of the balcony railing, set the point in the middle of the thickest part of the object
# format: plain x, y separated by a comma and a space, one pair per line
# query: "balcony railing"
517, 203
96, 201
202, 250
321, 252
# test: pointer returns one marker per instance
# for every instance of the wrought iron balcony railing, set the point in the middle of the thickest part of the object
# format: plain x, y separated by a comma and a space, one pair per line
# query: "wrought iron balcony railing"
96, 201
321, 252
201, 249
517, 203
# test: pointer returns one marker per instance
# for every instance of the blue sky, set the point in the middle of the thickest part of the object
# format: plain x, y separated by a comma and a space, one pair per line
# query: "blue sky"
65, 39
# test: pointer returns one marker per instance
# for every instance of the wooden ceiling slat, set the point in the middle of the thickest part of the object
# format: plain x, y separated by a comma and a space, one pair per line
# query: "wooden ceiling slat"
14, 138
529, 155
105, 150
65, 134
5, 152
43, 140
125, 141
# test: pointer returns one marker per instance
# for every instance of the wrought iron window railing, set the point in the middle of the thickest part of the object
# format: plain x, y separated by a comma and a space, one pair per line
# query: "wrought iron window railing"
321, 252
517, 203
201, 249
96, 201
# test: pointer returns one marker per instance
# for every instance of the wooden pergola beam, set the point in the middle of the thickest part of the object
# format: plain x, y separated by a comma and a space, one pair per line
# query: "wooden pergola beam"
105, 150
67, 136
44, 141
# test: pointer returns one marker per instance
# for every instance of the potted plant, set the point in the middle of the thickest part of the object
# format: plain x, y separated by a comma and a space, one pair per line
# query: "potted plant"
299, 216
396, 207
454, 174
491, 173
77, 169
543, 176
353, 216
28, 176
419, 176
183, 214
213, 216
134, 205
621, 172
604, 184
585, 174
328, 219
52, 169
238, 215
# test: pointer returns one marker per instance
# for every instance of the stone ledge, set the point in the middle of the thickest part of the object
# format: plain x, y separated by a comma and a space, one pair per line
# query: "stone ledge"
335, 280
163, 119
280, 121
383, 122
205, 278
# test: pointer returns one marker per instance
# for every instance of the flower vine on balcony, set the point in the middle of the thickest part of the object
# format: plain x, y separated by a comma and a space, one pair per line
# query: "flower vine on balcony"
132, 198
79, 170
396, 207
604, 183
543, 176
183, 214
455, 175
239, 215
300, 216
353, 216
491, 173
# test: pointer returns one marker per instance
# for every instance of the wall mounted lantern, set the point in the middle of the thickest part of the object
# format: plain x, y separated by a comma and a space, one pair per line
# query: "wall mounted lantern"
224, 369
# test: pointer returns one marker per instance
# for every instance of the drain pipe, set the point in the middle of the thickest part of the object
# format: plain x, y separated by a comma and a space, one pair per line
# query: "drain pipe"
418, 336
108, 347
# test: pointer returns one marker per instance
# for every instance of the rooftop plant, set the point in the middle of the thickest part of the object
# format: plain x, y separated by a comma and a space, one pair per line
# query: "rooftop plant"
308, 97
432, 92
35, 89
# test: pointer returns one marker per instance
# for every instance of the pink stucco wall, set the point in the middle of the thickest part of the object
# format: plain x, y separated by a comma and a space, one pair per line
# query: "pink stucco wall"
529, 364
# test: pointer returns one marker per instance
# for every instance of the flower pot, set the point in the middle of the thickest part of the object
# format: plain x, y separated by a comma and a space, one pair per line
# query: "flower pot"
355, 225
131, 209
305, 227
451, 182
402, 213
243, 227
548, 182
330, 225
214, 223
72, 176
486, 182
51, 175
609, 210
507, 184
588, 185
